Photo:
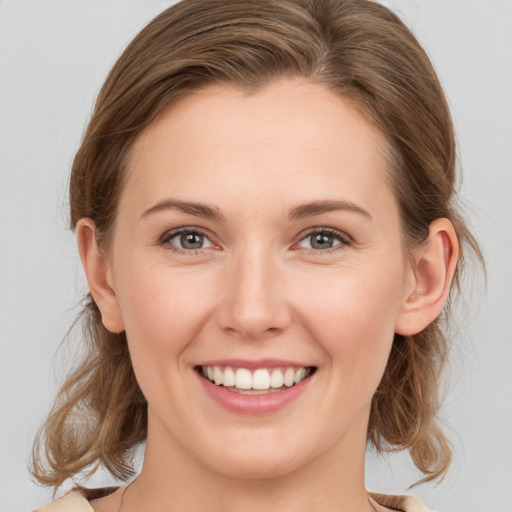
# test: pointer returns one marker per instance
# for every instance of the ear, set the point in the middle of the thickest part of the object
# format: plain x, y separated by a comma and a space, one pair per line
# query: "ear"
99, 276
433, 266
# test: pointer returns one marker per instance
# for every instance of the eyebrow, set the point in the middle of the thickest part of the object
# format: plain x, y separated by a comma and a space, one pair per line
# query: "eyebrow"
298, 212
318, 207
192, 208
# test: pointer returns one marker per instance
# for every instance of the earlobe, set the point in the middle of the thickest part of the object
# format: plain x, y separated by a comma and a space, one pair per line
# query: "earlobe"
432, 273
99, 276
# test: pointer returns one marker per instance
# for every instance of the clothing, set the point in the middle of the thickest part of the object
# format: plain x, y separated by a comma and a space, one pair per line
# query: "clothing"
77, 500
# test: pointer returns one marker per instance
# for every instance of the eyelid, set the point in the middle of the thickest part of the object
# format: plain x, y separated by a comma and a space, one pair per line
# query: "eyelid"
344, 238
172, 233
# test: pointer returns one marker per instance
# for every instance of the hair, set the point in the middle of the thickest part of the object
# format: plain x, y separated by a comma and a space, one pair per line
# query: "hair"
359, 50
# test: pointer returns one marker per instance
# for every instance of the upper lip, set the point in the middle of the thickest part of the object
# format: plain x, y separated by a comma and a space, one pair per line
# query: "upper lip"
254, 363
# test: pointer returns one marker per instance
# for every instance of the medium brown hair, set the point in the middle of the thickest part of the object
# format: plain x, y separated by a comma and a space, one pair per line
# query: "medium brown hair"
361, 51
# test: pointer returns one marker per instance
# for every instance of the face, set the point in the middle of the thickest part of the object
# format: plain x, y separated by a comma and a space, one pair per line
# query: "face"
258, 245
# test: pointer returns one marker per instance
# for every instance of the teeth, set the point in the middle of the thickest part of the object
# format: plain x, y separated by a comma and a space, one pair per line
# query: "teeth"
256, 382
243, 379
276, 381
289, 377
299, 375
261, 379
218, 376
229, 377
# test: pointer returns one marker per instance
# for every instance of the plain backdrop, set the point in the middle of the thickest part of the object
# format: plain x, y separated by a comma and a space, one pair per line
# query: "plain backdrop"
54, 55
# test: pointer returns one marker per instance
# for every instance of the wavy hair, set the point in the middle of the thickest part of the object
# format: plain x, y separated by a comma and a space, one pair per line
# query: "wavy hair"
362, 52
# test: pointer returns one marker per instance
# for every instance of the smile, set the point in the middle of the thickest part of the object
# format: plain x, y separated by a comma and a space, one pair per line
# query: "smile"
256, 381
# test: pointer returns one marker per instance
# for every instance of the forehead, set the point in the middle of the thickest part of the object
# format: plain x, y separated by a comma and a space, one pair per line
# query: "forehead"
292, 136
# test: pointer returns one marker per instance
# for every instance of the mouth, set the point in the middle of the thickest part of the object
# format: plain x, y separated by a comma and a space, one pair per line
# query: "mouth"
257, 381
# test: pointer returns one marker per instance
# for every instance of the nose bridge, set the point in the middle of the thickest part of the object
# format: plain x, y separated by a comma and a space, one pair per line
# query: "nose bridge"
255, 304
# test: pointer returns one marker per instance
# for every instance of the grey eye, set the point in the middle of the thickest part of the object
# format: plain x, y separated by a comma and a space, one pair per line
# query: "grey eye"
322, 241
191, 240
188, 240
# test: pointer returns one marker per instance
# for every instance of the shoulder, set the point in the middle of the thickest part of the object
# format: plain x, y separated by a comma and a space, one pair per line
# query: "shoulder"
73, 501
76, 500
402, 503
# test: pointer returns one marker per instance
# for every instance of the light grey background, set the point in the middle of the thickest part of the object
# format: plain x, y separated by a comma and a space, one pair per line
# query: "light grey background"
54, 55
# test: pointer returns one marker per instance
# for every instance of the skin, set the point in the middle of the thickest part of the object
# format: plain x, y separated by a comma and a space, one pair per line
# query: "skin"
258, 288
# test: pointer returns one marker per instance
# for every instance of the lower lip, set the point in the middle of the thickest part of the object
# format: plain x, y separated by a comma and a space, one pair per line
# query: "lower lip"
257, 405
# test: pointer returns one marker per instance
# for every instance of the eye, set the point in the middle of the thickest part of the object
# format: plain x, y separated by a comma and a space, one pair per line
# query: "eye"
324, 239
187, 240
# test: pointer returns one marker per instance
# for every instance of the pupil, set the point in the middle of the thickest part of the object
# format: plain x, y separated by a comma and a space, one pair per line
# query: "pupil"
191, 241
322, 241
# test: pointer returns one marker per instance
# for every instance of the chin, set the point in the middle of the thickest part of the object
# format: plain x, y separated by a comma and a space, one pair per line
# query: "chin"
256, 464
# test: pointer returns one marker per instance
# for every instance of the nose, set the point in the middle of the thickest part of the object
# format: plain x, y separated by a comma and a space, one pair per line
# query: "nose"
254, 304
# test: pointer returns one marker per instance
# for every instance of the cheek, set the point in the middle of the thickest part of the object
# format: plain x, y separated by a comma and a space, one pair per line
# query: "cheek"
352, 317
162, 312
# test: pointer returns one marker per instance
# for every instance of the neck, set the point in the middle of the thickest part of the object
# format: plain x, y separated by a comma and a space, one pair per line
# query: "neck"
333, 481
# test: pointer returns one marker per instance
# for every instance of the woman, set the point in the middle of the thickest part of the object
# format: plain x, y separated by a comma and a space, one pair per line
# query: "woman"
264, 208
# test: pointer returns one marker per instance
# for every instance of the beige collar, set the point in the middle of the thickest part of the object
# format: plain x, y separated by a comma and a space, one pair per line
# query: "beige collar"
77, 500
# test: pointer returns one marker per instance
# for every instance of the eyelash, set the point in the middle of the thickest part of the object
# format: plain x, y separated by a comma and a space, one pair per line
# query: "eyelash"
165, 240
343, 239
